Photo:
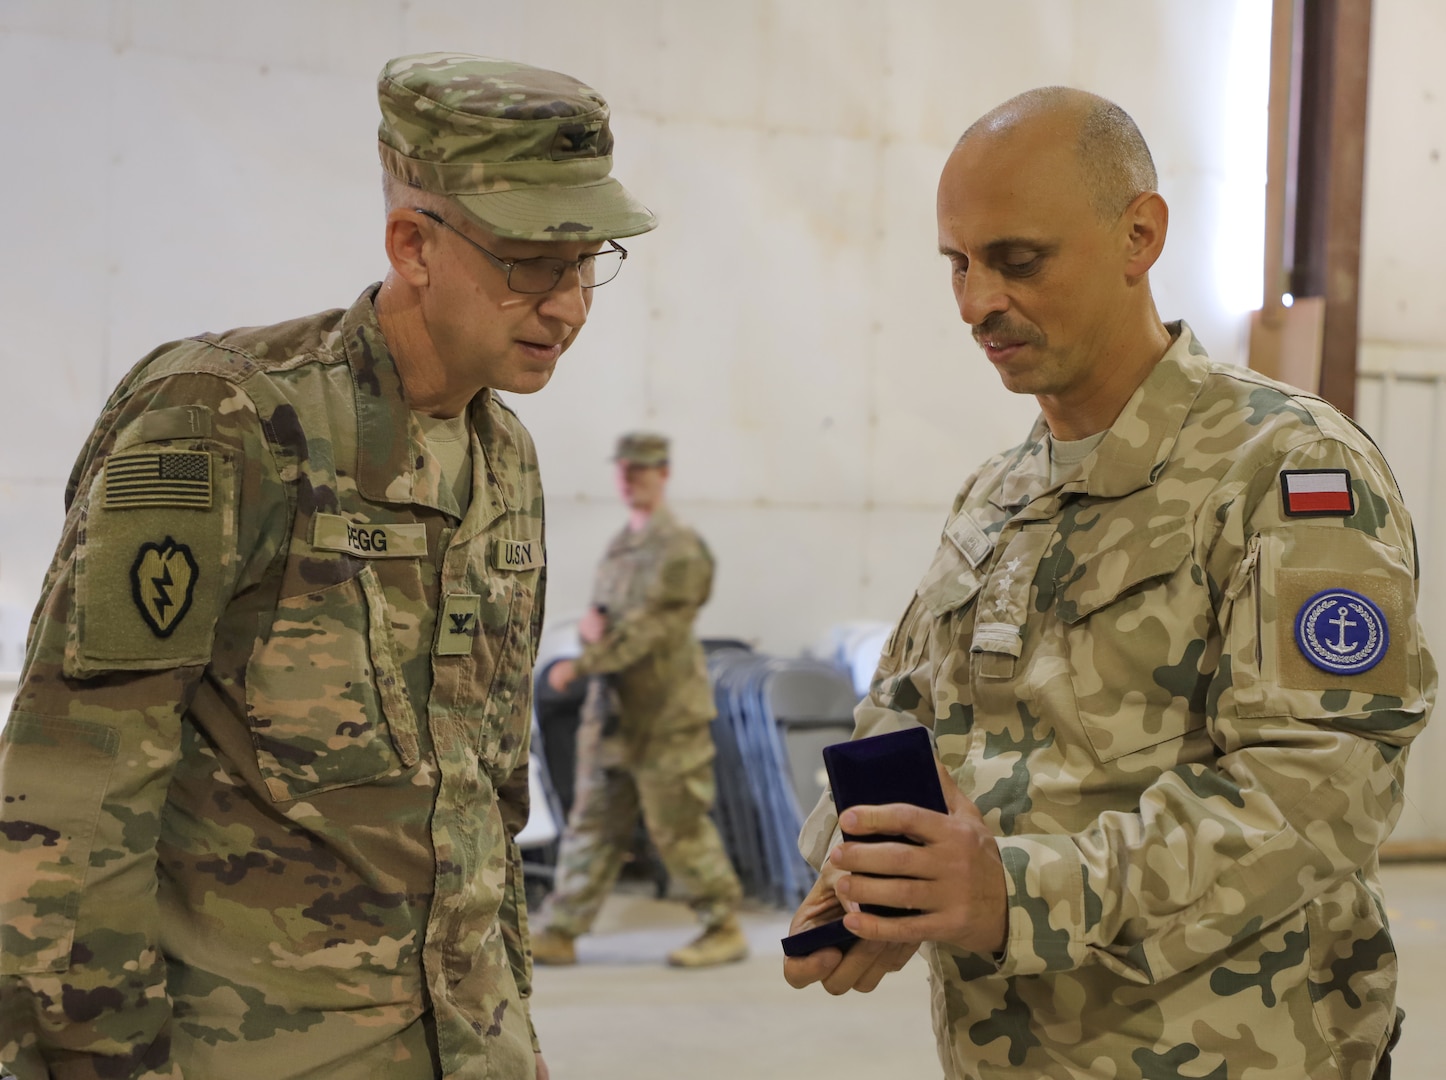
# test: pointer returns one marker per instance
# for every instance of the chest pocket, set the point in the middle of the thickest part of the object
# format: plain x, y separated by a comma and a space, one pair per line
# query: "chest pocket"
949, 583
917, 650
620, 581
948, 594
325, 696
507, 616
1137, 635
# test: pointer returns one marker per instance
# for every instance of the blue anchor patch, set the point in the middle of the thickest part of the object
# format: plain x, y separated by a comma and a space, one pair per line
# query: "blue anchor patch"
1342, 632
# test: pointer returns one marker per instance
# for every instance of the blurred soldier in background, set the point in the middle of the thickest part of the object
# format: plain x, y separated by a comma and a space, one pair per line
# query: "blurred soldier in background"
269, 752
1169, 652
644, 742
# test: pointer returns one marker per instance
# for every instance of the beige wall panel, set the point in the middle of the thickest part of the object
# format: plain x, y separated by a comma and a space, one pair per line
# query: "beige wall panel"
790, 324
1403, 324
55, 274
1403, 251
239, 198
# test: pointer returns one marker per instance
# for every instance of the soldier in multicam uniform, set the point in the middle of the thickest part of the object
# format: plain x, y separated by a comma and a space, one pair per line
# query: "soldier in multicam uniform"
269, 750
644, 742
1169, 652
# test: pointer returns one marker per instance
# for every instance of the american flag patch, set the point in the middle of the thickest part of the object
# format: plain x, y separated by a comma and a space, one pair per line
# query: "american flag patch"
1317, 491
169, 478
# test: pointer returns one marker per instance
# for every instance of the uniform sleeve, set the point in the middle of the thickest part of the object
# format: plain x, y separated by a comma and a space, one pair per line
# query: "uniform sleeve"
512, 915
514, 800
680, 587
1306, 780
154, 544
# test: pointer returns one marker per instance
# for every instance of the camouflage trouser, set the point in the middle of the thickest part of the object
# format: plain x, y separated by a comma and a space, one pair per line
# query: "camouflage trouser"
1383, 1067
669, 776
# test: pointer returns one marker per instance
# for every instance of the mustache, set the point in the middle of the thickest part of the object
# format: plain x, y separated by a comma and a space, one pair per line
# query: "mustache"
997, 327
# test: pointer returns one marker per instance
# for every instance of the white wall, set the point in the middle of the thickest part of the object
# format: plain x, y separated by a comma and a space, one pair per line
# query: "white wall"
1402, 395
173, 166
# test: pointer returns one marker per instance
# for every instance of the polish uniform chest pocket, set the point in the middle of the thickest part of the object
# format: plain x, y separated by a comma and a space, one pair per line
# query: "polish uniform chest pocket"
325, 697
950, 582
1137, 636
948, 585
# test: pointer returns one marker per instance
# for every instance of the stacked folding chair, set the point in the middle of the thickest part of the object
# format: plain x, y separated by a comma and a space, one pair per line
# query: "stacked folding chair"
764, 705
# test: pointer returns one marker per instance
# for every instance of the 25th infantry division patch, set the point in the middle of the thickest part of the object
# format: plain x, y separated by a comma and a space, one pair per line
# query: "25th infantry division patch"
163, 580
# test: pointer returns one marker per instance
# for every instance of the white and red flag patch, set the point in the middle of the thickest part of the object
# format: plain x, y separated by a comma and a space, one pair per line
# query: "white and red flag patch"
1317, 491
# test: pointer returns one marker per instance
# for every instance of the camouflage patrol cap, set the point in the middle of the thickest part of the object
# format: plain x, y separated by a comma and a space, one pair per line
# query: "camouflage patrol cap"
524, 151
642, 448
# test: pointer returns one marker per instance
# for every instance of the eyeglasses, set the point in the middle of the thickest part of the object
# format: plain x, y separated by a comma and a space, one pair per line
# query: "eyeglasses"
541, 275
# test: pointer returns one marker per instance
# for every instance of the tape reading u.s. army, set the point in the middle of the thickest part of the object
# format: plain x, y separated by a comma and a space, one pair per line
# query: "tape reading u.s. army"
367, 540
517, 554
459, 624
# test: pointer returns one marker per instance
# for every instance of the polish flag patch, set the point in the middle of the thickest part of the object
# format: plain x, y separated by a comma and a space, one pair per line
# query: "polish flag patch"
1317, 491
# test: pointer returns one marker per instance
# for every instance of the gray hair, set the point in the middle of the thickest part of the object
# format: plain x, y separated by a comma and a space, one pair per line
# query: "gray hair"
1114, 161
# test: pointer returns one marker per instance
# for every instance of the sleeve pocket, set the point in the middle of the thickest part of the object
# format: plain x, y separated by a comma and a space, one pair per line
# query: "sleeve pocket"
152, 571
53, 778
1275, 675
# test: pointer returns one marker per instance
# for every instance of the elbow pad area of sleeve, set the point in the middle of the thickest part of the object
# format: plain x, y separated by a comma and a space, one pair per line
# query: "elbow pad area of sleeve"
53, 772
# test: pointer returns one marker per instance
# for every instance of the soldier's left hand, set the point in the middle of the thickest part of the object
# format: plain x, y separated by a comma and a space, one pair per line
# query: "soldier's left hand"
859, 968
592, 626
561, 675
542, 1073
954, 877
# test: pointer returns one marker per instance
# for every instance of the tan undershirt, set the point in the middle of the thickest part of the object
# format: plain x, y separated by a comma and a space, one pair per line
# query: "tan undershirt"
449, 442
1064, 456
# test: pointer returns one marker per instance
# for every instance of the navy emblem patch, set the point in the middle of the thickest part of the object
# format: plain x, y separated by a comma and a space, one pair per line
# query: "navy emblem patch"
163, 580
1342, 632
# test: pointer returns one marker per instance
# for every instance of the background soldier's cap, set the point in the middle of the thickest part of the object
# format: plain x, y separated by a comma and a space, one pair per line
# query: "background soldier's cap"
525, 151
642, 448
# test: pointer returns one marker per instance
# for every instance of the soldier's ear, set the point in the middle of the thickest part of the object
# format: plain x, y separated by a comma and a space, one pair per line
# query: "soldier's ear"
1145, 222
407, 248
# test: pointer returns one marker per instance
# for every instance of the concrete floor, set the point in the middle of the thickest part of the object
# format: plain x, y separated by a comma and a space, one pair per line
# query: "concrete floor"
622, 1014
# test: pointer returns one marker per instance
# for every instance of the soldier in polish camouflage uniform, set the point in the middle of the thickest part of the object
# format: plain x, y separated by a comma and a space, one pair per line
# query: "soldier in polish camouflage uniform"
269, 750
1169, 652
644, 743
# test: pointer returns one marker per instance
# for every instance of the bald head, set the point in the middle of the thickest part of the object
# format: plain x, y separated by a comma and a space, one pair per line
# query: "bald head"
1114, 162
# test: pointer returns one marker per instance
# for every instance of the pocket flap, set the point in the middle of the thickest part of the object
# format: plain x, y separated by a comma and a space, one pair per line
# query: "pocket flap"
950, 582
1103, 576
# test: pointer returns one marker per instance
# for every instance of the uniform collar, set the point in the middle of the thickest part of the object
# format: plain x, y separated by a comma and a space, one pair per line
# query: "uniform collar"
391, 463
1138, 443
659, 520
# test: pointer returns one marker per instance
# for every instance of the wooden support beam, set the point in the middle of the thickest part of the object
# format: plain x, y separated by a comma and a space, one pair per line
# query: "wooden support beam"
1399, 851
1334, 62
